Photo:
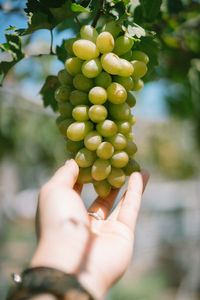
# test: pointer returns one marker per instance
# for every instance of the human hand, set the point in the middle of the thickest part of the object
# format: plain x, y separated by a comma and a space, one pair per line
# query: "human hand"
97, 251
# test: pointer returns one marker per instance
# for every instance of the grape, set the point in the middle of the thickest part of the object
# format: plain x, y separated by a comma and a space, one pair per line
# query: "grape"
97, 95
107, 128
131, 167
116, 177
85, 158
59, 119
91, 68
105, 150
124, 127
119, 112
126, 68
103, 79
102, 188
65, 109
127, 82
63, 126
100, 169
127, 55
80, 113
138, 84
113, 27
130, 136
105, 42
123, 44
78, 97
85, 49
64, 77
74, 147
97, 113
131, 148
118, 141
92, 140
82, 83
85, 175
116, 93
140, 69
69, 44
111, 63
141, 56
119, 159
132, 120
78, 130
130, 100
89, 33
73, 65
62, 93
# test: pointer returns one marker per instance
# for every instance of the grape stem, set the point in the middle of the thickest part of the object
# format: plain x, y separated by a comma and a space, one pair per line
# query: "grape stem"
51, 44
78, 22
94, 23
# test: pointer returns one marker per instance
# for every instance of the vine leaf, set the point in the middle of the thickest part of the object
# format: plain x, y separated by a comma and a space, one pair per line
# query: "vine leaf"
48, 90
150, 9
61, 52
79, 8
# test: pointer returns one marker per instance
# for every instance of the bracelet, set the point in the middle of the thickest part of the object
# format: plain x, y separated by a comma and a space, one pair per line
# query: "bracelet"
40, 280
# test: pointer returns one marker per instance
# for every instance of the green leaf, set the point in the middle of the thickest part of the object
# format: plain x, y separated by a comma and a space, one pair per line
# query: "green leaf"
150, 8
117, 11
78, 8
48, 90
61, 52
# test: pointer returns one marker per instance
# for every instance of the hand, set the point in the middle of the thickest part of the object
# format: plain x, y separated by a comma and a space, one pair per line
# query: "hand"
97, 251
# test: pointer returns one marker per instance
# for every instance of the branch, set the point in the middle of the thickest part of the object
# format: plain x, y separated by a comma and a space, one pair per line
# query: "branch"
51, 44
78, 22
94, 23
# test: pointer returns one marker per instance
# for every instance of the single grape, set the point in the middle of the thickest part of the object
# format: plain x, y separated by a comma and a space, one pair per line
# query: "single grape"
105, 42
124, 127
73, 65
74, 147
85, 49
102, 188
82, 83
140, 69
132, 120
116, 177
59, 119
107, 128
100, 169
119, 159
141, 56
126, 68
92, 140
116, 93
64, 77
105, 150
63, 126
85, 175
113, 27
78, 97
78, 130
131, 148
85, 158
130, 136
88, 32
91, 68
118, 141
97, 113
111, 63
138, 84
131, 167
126, 82
62, 93
69, 44
127, 55
119, 112
103, 79
130, 100
123, 44
97, 95
65, 109
80, 113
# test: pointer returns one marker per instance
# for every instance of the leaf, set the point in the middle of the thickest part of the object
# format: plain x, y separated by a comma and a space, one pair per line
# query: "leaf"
48, 90
150, 8
61, 52
117, 11
135, 30
78, 8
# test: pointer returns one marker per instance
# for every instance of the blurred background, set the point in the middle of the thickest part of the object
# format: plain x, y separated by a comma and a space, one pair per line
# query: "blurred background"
166, 261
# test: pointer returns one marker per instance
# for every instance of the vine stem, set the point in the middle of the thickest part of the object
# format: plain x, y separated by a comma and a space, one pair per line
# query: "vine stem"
51, 44
78, 22
94, 23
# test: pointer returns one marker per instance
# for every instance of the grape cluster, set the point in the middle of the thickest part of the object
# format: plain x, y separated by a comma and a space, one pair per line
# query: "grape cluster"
95, 100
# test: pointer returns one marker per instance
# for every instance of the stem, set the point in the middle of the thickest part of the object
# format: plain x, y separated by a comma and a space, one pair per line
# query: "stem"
51, 44
94, 23
78, 22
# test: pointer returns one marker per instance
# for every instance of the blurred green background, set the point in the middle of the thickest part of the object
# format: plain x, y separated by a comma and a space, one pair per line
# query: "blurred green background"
166, 262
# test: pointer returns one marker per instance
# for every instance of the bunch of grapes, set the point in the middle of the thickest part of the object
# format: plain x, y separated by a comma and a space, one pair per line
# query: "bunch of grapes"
95, 100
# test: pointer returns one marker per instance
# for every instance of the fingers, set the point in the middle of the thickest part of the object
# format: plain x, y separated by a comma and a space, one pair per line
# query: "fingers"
78, 187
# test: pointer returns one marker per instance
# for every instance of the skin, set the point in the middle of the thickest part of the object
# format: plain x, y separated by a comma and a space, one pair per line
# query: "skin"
72, 241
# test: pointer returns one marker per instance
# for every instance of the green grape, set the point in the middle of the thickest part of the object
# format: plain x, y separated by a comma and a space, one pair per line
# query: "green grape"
78, 130
131, 167
107, 128
97, 113
126, 68
69, 44
105, 42
85, 49
124, 127
123, 44
100, 169
85, 175
65, 109
132, 120
97, 95
74, 147
59, 119
126, 82
127, 55
116, 177
78, 97
92, 140
140, 69
138, 84
141, 56
102, 188
62, 93
103, 79
111, 63
130, 136
85, 158
88, 32
130, 100
73, 65
63, 126
119, 112
64, 77
119, 159
113, 27
91, 68
105, 150
116, 93
80, 113
118, 141
131, 148
82, 83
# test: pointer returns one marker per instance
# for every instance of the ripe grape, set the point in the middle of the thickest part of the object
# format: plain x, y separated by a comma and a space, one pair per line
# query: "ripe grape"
74, 147
78, 130
88, 32
92, 140
97, 113
69, 44
100, 169
107, 128
63, 126
103, 79
73, 65
80, 113
130, 136
140, 69
139, 55
119, 159
119, 112
65, 109
91, 68
126, 82
97, 95
138, 84
85, 49
123, 44
127, 55
64, 77
105, 150
118, 141
85, 158
78, 97
124, 127
126, 68
113, 27
116, 93
132, 120
105, 42
111, 63
62, 93
131, 148
130, 100
82, 83
85, 175
131, 167
102, 188
116, 177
